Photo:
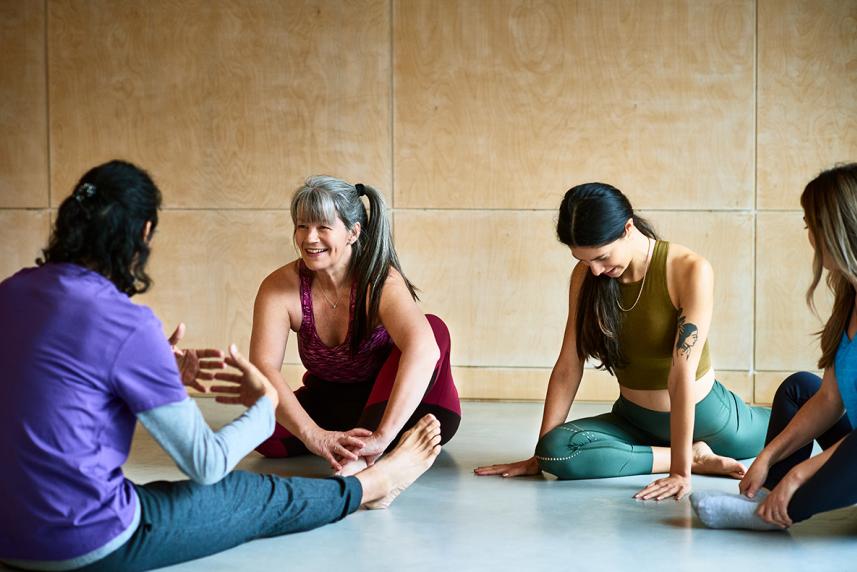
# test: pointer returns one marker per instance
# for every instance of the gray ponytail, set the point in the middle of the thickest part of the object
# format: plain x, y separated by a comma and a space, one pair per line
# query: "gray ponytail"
323, 199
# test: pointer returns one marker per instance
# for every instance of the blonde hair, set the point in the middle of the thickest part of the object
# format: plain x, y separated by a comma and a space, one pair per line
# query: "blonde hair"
830, 208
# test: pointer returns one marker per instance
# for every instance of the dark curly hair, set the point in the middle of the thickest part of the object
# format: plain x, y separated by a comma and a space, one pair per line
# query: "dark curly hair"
101, 225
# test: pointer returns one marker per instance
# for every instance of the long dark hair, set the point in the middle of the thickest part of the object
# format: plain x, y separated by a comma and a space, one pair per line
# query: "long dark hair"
323, 199
829, 204
101, 224
592, 215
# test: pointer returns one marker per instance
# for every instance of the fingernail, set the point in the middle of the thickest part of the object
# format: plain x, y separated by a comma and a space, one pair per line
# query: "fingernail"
233, 348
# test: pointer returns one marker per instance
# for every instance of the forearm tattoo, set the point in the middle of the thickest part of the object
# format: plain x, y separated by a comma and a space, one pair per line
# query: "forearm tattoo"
688, 334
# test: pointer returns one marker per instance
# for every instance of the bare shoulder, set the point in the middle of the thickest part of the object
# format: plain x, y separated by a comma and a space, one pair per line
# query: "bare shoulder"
578, 273
687, 264
395, 285
688, 275
284, 281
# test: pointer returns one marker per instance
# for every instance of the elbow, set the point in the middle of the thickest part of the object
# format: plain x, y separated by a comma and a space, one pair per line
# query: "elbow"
206, 475
210, 463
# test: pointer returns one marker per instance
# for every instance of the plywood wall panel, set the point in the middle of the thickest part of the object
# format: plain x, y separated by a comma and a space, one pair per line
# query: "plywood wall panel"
208, 265
232, 102
527, 384
23, 234
505, 104
784, 324
499, 280
767, 382
807, 86
23, 106
726, 240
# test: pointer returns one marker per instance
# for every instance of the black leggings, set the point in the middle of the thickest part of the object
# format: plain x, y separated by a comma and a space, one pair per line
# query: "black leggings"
833, 486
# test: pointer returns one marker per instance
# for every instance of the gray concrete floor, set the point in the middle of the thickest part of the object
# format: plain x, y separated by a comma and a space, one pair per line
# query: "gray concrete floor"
452, 520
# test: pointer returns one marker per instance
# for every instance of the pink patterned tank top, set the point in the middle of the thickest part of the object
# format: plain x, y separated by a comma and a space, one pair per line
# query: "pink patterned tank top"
337, 363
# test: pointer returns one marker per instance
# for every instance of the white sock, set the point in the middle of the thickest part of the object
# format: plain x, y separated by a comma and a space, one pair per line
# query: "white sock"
723, 510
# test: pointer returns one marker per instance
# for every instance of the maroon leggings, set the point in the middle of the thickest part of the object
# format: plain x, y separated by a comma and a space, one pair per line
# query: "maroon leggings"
343, 406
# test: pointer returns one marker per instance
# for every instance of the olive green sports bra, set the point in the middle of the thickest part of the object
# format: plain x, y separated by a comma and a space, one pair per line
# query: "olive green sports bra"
648, 331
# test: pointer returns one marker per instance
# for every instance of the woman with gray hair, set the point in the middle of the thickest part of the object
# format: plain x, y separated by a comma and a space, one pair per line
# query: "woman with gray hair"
375, 363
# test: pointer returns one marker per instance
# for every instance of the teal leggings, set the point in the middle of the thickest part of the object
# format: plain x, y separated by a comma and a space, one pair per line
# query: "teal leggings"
620, 443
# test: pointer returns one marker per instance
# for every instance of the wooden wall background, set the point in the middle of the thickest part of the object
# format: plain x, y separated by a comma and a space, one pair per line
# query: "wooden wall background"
473, 116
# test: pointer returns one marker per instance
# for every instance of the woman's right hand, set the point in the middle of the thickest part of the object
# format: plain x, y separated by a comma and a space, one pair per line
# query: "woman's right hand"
755, 477
336, 446
525, 468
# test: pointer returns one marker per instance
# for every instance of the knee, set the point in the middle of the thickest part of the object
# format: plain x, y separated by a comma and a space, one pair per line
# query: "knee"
441, 332
798, 387
562, 452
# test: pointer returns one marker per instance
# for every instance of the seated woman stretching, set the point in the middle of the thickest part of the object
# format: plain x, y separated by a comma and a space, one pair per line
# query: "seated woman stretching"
375, 364
785, 485
82, 363
642, 307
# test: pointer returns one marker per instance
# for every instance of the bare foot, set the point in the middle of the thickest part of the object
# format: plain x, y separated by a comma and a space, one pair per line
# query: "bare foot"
398, 469
705, 462
352, 468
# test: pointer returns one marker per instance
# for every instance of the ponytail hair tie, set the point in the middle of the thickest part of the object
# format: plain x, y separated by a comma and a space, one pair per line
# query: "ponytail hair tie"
84, 191
361, 190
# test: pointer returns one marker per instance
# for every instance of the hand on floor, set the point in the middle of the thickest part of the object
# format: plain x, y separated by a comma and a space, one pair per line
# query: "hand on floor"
672, 486
525, 468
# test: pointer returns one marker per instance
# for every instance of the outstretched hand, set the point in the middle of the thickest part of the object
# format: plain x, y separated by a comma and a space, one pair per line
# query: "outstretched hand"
194, 363
247, 387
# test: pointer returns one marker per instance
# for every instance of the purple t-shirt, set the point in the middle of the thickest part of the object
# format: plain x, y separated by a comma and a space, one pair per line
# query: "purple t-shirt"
80, 360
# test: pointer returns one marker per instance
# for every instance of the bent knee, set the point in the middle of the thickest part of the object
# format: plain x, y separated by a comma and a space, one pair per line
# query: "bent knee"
801, 383
565, 452
441, 332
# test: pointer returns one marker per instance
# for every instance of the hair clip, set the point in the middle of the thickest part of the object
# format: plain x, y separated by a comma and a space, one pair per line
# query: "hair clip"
84, 191
361, 190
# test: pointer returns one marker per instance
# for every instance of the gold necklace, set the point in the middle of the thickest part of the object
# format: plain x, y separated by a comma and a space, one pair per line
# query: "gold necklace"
332, 305
642, 285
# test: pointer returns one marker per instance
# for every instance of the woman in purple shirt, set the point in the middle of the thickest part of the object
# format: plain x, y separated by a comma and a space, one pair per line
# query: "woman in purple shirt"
82, 364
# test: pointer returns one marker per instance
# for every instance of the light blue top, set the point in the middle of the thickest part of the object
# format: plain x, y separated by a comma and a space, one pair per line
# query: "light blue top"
845, 367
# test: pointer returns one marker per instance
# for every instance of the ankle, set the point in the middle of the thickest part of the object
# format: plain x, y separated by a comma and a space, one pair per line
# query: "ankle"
376, 484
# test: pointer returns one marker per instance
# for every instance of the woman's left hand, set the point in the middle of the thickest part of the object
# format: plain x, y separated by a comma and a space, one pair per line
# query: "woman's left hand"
672, 486
775, 508
192, 363
373, 446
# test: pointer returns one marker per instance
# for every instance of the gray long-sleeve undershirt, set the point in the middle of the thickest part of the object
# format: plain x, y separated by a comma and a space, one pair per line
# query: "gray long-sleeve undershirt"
207, 456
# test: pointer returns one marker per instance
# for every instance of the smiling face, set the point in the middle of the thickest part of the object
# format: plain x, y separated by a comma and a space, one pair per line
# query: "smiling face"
611, 259
325, 245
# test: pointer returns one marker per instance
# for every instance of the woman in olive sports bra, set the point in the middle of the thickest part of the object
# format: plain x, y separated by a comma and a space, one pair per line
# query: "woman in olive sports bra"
642, 308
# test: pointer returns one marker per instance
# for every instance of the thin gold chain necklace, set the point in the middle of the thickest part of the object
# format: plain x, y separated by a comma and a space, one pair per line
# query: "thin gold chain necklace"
643, 284
332, 305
